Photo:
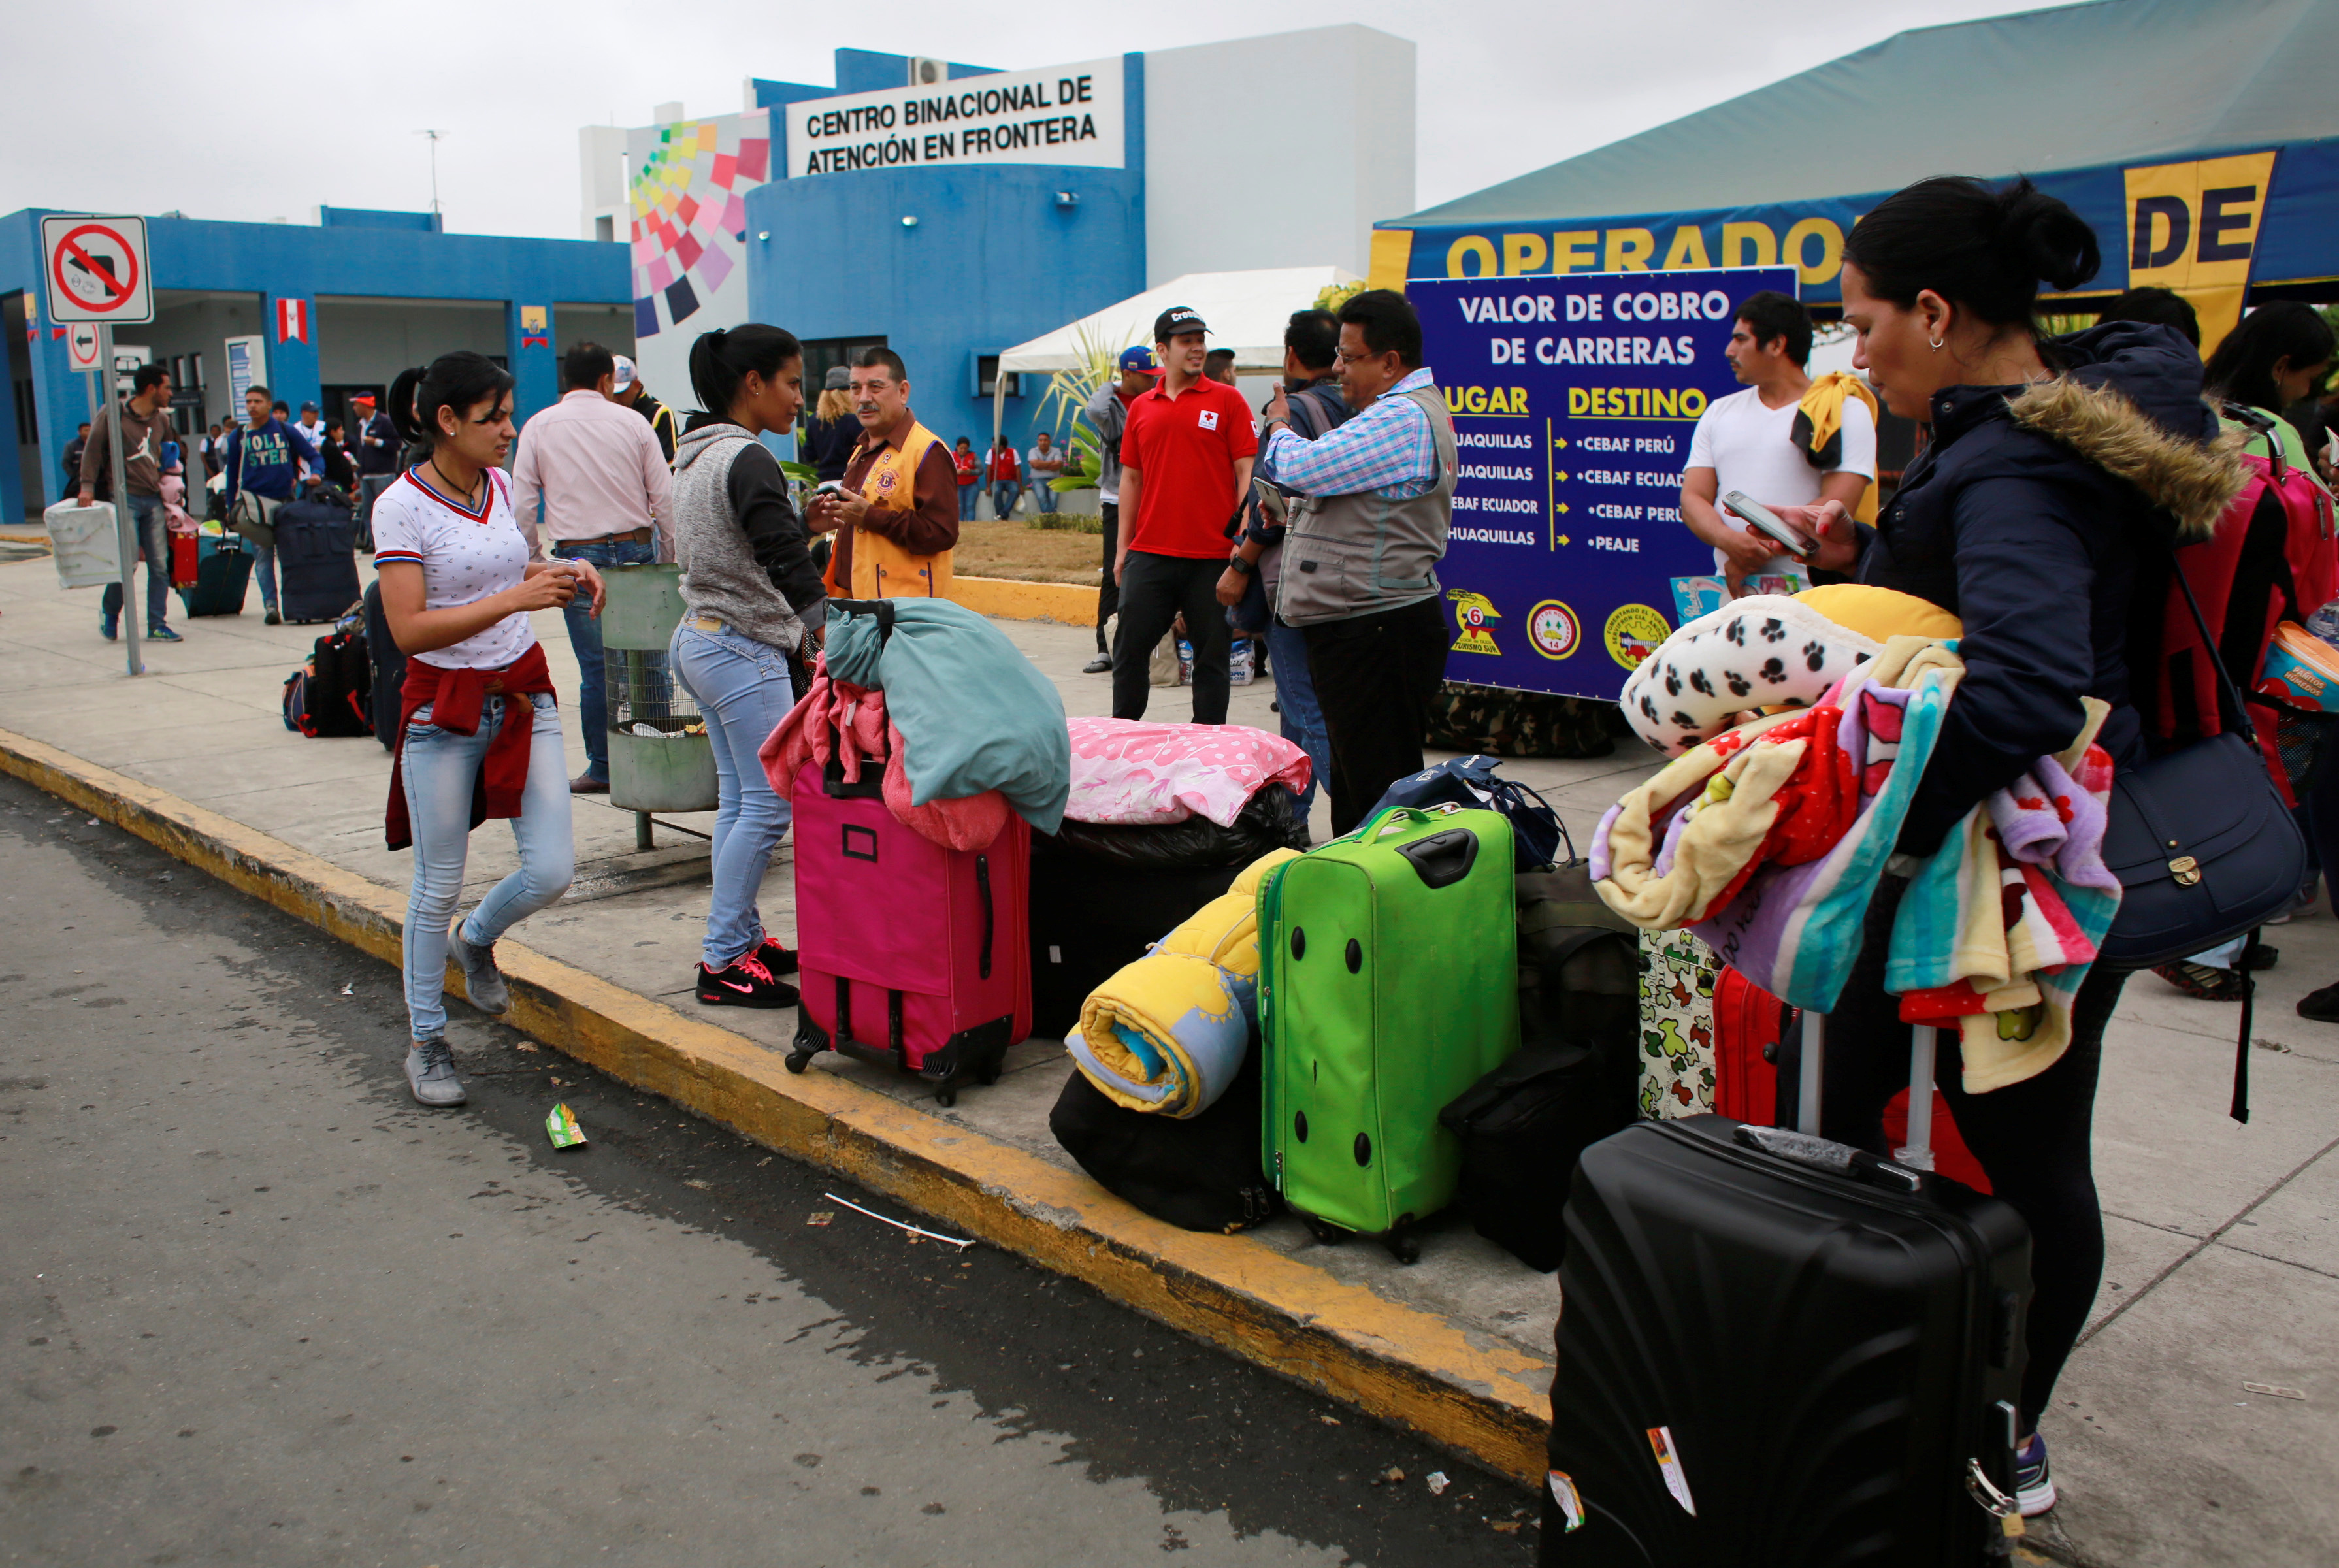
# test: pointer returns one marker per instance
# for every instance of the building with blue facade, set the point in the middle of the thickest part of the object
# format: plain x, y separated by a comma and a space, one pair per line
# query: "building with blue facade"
949, 210
375, 291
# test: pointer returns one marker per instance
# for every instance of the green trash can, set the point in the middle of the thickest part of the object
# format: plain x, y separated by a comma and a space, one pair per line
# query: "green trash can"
660, 759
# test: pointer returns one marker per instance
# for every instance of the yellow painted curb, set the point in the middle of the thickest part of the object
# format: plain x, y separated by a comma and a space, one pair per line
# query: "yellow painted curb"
1012, 600
1396, 1363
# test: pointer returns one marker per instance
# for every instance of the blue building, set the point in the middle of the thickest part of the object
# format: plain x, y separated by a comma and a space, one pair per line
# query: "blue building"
949, 210
375, 293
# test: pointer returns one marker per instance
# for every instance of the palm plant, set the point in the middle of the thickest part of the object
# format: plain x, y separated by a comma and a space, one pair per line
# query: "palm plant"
1068, 394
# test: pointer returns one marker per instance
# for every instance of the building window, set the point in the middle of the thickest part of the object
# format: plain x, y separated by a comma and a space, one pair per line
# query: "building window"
605, 229
823, 354
986, 377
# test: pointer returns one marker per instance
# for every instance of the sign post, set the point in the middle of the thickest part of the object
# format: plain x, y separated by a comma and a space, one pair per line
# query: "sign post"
97, 273
1573, 399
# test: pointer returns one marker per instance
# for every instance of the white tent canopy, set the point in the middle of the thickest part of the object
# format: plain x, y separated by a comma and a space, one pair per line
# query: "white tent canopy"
1247, 312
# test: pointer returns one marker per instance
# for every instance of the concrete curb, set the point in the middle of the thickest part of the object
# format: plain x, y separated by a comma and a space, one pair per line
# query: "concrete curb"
1397, 1364
1010, 599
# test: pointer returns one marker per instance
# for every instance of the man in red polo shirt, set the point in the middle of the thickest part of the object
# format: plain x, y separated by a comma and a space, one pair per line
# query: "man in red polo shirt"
1185, 458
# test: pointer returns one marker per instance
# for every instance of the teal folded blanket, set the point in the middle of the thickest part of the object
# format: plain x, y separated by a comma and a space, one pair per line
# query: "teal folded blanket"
974, 714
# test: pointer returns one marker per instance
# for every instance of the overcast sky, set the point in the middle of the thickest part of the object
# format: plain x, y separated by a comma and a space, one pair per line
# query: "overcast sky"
253, 112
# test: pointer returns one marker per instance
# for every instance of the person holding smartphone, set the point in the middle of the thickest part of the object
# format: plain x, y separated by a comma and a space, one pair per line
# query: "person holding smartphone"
1746, 442
477, 719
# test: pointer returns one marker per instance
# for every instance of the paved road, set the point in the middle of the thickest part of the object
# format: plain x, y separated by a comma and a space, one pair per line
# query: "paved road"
257, 1308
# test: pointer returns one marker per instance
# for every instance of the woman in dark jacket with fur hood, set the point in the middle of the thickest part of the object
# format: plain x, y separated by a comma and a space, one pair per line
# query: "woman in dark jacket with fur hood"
2056, 476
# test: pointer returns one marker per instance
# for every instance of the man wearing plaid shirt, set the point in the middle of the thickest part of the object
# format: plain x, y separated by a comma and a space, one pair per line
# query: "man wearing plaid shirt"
1360, 561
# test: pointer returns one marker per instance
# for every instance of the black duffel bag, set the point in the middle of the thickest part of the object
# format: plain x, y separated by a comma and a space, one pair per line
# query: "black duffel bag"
1201, 1173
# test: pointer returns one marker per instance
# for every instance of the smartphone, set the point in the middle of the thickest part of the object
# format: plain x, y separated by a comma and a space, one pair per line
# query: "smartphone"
827, 487
1769, 523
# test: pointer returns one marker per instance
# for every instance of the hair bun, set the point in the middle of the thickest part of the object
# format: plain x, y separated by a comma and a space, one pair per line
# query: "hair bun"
2043, 237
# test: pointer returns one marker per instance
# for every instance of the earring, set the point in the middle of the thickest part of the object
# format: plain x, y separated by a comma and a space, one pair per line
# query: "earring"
1937, 344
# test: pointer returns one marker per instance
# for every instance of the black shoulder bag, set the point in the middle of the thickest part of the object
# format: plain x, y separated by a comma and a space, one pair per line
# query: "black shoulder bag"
2203, 847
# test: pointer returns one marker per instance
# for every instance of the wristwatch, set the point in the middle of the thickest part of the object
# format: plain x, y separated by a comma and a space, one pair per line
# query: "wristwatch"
1248, 568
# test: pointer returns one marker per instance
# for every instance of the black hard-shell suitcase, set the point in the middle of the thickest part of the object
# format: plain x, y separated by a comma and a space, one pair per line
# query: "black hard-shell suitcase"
388, 669
222, 573
1778, 1352
316, 561
1202, 1173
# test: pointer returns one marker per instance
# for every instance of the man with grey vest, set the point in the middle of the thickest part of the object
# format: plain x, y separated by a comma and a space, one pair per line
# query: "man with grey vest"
1108, 415
1359, 576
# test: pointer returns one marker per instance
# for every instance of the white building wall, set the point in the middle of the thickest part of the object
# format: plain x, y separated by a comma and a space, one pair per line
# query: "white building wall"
1230, 128
601, 174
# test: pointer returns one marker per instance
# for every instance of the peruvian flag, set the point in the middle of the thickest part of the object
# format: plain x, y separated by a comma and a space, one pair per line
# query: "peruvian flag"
291, 320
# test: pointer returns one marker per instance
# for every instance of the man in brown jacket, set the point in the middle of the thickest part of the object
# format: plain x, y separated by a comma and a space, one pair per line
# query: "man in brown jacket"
145, 420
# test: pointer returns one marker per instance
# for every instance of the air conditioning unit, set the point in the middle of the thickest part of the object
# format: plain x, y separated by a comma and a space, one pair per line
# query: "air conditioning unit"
925, 73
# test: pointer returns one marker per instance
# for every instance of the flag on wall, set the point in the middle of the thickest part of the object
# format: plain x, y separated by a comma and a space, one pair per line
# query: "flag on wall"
534, 326
291, 320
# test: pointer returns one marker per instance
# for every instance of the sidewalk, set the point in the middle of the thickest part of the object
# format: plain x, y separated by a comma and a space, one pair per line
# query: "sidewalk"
2224, 1241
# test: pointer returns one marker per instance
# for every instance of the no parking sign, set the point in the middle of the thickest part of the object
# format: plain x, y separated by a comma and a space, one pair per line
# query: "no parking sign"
97, 270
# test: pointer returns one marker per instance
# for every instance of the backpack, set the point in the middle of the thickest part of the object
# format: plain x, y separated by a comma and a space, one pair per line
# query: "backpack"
332, 693
2272, 558
1576, 1078
1473, 783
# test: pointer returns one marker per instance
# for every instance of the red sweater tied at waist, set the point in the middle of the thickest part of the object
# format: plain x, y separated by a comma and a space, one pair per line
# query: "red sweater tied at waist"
457, 701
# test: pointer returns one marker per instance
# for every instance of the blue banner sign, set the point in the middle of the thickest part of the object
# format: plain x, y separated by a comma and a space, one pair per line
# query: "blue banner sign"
1573, 399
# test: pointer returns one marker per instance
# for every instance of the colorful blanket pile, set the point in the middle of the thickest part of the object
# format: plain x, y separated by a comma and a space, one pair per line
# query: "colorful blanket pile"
1998, 927
1130, 771
1168, 1033
1769, 840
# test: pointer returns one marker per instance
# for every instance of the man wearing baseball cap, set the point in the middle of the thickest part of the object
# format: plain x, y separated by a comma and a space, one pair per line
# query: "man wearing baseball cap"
1185, 464
1108, 415
628, 391
376, 455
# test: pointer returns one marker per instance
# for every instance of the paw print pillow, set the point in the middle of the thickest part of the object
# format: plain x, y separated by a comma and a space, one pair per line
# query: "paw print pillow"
1764, 651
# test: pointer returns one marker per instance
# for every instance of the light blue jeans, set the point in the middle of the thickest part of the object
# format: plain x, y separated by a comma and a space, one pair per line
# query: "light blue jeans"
440, 766
1295, 698
743, 691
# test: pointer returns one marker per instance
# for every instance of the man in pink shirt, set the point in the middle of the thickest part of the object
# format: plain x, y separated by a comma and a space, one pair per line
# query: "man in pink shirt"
590, 483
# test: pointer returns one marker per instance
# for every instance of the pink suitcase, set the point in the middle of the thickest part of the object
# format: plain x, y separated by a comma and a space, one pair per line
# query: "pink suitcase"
911, 955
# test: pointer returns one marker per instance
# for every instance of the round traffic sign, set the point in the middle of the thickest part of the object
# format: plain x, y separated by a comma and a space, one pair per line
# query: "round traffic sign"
97, 267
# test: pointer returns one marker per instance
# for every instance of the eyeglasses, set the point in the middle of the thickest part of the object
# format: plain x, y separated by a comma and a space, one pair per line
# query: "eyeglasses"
1342, 357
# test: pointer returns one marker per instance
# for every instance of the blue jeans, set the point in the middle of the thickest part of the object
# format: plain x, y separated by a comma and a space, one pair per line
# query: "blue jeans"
1295, 695
154, 543
743, 691
584, 640
263, 567
1003, 499
440, 766
1044, 493
966, 494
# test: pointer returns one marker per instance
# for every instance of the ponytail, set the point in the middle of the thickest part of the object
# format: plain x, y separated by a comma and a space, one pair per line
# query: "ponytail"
722, 359
461, 380
1982, 249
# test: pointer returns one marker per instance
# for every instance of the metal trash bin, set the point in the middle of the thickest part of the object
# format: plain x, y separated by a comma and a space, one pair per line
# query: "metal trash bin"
660, 758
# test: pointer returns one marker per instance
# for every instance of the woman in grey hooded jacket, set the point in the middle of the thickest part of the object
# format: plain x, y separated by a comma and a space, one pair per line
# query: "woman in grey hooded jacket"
751, 598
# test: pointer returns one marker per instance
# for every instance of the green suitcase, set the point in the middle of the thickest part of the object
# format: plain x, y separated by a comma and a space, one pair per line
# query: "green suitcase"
1388, 984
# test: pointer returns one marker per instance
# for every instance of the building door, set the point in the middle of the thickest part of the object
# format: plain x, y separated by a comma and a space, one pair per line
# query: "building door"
28, 430
820, 353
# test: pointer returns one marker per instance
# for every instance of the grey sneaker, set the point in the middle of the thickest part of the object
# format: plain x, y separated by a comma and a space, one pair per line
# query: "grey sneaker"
483, 982
430, 1074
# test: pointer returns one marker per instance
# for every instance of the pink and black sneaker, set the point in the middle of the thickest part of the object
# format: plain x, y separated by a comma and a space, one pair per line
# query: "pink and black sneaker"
774, 957
746, 982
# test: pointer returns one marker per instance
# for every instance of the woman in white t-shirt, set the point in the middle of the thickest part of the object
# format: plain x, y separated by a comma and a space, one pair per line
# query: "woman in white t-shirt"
1746, 442
457, 586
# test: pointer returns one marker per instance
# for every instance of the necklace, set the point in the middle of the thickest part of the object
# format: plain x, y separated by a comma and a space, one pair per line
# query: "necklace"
451, 484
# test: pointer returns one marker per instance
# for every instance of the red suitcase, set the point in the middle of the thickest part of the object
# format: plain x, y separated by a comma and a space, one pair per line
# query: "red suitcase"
1747, 1021
911, 955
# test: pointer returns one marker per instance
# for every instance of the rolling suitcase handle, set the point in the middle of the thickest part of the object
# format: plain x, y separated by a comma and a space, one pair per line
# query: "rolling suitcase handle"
1806, 1147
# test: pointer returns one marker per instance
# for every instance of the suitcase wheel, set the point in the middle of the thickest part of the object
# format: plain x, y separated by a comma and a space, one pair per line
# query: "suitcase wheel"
798, 1061
946, 1096
988, 1073
1326, 1233
1403, 1245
